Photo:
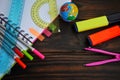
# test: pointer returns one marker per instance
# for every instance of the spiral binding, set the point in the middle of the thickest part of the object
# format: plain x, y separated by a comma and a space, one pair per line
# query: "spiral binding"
16, 31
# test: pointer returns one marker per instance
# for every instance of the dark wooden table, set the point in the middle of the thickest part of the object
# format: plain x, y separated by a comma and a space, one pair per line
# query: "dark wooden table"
65, 57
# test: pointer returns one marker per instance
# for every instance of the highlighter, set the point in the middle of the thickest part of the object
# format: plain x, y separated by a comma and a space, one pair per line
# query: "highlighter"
104, 35
97, 22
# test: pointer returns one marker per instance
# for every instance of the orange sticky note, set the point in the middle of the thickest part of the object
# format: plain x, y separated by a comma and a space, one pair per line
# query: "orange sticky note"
37, 34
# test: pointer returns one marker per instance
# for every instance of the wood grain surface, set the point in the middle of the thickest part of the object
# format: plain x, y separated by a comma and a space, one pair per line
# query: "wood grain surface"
65, 57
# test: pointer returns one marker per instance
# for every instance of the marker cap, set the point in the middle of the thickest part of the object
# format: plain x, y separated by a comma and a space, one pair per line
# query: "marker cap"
113, 18
104, 35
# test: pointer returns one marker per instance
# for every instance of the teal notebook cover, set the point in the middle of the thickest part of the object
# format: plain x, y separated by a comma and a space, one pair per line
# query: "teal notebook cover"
9, 10
6, 61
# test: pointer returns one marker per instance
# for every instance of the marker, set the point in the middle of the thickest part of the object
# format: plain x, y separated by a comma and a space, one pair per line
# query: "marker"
14, 48
13, 40
12, 54
97, 22
104, 35
35, 51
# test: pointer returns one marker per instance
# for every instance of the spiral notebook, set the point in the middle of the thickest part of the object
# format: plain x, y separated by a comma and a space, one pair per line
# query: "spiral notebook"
6, 62
19, 15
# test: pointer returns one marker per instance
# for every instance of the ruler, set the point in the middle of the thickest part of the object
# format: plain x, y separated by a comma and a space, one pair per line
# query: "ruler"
53, 12
16, 11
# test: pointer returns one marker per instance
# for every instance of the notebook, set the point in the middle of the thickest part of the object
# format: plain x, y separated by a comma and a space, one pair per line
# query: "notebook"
21, 16
6, 62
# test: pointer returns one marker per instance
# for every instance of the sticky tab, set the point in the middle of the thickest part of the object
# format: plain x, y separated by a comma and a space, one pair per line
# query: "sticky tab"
37, 34
47, 32
104, 35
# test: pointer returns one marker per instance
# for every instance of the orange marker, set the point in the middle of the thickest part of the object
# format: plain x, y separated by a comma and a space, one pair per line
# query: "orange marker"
104, 35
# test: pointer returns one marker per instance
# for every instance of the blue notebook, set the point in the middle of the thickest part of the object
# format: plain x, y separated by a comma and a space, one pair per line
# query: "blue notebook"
21, 16
6, 61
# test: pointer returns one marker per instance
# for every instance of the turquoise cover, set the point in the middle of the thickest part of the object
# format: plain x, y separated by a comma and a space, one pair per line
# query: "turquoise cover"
15, 13
6, 62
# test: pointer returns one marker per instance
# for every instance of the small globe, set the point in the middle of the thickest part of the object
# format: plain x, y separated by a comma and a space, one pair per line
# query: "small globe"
69, 11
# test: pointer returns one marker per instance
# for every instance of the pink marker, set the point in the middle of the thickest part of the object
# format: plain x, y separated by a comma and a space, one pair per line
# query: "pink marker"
40, 55
35, 51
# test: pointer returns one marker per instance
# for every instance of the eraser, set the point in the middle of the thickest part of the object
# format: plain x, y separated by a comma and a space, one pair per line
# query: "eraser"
104, 35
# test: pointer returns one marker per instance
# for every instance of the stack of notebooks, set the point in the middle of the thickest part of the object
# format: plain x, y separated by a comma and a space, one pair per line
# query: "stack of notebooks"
20, 18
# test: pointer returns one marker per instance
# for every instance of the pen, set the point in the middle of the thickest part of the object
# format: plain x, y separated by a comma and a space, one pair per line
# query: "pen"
12, 54
35, 51
97, 22
13, 40
15, 49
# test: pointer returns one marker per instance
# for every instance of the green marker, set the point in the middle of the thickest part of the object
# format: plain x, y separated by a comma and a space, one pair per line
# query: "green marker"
12, 40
